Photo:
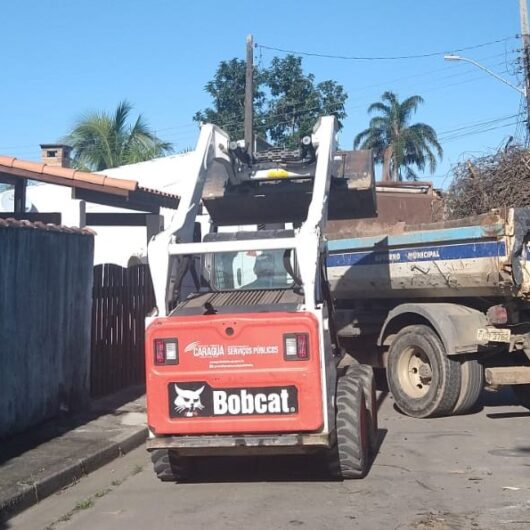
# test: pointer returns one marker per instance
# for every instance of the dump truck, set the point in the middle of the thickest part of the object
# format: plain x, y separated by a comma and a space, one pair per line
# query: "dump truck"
249, 363
443, 308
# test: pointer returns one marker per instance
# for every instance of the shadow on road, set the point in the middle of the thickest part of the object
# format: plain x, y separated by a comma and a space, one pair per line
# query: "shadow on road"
504, 397
13, 446
300, 468
381, 399
498, 398
503, 415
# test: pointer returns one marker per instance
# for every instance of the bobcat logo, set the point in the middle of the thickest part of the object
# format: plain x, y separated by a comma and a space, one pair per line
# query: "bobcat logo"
188, 402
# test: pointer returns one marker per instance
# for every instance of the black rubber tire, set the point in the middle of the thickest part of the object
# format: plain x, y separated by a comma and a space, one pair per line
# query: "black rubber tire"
471, 385
169, 467
444, 387
349, 457
522, 394
365, 374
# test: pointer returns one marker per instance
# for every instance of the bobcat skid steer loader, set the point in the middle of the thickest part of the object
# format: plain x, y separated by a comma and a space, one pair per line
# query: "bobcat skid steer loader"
248, 363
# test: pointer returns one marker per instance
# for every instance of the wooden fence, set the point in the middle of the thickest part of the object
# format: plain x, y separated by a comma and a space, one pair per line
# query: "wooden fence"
121, 300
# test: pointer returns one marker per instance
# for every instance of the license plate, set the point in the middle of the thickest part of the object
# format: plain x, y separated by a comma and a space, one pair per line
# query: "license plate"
493, 335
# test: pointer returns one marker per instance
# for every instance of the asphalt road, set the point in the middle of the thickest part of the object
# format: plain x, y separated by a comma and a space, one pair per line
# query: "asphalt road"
467, 472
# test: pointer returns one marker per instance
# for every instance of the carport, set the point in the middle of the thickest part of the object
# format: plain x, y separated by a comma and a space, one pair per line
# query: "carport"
97, 188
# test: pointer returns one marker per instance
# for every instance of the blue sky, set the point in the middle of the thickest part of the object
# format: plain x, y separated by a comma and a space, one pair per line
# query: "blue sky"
62, 58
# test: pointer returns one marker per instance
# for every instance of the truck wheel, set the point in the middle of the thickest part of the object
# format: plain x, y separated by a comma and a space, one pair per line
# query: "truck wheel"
471, 384
423, 380
365, 374
522, 393
168, 466
348, 458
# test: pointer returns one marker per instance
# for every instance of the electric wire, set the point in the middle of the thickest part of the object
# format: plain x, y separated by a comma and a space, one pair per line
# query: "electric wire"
383, 58
474, 133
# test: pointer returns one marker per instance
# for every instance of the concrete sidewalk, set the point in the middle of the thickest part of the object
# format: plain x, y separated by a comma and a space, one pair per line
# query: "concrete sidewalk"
49, 457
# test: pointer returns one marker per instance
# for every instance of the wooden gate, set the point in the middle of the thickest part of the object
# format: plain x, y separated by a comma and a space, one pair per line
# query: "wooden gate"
121, 300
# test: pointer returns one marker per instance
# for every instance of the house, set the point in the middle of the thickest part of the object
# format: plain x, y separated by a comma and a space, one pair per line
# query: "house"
122, 244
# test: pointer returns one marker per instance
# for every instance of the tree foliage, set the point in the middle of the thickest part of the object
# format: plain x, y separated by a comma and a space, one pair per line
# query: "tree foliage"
100, 140
297, 102
227, 90
481, 184
287, 101
398, 145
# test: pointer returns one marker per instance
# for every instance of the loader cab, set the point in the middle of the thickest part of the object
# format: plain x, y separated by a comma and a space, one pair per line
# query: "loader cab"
250, 269
246, 277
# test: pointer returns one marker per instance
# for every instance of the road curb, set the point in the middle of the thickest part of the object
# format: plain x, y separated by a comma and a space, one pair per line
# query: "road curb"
24, 496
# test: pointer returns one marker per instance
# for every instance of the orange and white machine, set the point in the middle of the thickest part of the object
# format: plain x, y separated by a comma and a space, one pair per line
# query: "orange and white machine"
248, 363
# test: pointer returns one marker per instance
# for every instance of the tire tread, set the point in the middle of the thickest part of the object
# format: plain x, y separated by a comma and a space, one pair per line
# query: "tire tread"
349, 456
168, 466
366, 375
472, 383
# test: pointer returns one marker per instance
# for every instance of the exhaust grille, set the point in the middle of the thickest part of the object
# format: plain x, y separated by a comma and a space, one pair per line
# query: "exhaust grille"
242, 298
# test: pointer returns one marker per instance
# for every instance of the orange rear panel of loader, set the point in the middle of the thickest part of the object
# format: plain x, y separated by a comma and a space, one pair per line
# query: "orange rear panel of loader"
232, 374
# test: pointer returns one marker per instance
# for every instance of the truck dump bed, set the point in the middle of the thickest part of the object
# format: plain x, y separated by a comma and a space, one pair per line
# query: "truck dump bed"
478, 256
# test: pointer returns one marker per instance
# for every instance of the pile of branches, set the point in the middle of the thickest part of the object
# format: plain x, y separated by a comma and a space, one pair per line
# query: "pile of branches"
495, 181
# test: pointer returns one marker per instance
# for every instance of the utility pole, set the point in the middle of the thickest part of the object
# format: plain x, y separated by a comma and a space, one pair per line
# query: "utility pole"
249, 96
525, 37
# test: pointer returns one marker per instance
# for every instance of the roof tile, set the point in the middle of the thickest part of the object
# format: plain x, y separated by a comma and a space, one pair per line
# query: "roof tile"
7, 160
28, 166
130, 185
57, 171
93, 178
156, 192
13, 223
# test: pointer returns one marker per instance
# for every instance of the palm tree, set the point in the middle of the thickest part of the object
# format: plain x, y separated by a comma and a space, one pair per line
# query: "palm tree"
100, 140
396, 144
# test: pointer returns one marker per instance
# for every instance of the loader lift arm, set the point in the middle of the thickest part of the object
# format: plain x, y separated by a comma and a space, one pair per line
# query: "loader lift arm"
211, 153
214, 156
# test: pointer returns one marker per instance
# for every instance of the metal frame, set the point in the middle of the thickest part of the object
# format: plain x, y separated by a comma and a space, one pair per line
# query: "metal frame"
262, 444
212, 148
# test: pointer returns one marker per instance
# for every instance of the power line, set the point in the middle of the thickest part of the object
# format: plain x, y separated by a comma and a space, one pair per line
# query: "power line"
521, 130
425, 73
382, 58
474, 133
480, 123
435, 86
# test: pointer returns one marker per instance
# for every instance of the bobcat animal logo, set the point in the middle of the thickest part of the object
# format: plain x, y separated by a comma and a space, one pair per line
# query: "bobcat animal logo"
188, 402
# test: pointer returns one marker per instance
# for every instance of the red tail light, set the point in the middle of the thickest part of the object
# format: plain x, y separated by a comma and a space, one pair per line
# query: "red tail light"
302, 348
296, 347
166, 351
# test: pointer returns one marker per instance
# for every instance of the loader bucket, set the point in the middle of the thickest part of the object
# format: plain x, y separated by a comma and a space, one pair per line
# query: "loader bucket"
352, 195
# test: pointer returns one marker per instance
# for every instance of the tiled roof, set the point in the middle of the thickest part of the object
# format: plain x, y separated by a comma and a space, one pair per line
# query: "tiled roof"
13, 223
160, 193
68, 173
118, 189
